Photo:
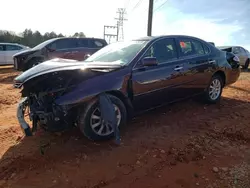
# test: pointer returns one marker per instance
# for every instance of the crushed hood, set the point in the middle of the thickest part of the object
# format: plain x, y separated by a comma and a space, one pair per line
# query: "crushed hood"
59, 64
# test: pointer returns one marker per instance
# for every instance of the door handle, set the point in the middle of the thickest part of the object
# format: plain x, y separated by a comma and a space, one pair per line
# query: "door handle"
178, 68
211, 61
68, 52
74, 52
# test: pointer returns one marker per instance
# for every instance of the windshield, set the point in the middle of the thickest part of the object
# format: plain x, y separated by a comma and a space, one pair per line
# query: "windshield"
119, 52
43, 44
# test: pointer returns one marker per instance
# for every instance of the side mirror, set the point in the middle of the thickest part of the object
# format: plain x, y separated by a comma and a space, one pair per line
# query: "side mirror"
86, 56
51, 49
149, 61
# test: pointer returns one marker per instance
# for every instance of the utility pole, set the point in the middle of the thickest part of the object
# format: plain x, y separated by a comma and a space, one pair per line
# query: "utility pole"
121, 13
150, 17
110, 35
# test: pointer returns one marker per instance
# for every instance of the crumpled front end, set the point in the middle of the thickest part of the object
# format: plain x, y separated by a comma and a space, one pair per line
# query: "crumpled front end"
38, 103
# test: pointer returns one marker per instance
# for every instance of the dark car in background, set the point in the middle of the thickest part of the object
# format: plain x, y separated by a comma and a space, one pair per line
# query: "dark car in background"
68, 48
241, 52
137, 75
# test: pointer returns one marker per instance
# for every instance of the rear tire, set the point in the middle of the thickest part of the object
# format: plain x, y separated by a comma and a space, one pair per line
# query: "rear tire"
214, 89
85, 122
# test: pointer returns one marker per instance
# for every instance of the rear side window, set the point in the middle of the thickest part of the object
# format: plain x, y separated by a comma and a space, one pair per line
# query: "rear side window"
189, 47
97, 43
206, 49
83, 43
198, 47
186, 47
63, 44
1, 48
13, 47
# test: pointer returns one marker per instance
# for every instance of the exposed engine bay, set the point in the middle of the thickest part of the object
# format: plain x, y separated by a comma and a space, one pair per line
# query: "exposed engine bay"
39, 95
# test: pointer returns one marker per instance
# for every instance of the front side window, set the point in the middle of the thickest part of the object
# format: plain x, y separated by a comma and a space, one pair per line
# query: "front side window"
13, 48
121, 52
163, 50
1, 48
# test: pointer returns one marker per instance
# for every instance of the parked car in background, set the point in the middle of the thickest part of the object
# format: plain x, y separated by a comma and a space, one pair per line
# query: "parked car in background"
7, 50
241, 52
137, 75
67, 48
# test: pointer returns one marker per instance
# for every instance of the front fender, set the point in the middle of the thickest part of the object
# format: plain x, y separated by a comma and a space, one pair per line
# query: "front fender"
90, 88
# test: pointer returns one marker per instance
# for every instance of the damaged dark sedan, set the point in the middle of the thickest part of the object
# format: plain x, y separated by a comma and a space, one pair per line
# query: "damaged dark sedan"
137, 75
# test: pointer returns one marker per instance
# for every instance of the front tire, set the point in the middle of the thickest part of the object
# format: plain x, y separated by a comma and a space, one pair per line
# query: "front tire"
90, 123
214, 89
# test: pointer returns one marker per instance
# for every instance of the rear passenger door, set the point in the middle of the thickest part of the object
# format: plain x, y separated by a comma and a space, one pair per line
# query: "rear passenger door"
88, 46
10, 50
63, 48
83, 48
195, 56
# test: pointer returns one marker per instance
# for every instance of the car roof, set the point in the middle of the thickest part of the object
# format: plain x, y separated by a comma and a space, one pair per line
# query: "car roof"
77, 38
8, 43
149, 38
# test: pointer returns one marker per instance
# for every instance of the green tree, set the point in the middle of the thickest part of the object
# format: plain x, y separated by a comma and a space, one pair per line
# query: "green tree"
31, 38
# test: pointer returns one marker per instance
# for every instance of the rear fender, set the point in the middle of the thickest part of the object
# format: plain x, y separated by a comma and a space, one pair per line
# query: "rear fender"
90, 88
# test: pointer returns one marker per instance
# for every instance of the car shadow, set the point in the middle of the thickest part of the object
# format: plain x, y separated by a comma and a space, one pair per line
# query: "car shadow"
46, 148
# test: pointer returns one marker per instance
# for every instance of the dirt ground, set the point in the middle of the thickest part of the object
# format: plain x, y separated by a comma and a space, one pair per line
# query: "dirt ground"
186, 144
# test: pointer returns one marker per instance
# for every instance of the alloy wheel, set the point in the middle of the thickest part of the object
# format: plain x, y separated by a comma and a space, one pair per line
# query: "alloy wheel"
215, 89
101, 128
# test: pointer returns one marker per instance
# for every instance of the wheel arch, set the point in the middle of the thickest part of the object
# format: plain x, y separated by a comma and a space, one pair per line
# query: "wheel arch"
126, 101
222, 75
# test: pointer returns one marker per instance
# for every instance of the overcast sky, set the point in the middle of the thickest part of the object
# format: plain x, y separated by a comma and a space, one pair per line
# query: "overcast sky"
225, 22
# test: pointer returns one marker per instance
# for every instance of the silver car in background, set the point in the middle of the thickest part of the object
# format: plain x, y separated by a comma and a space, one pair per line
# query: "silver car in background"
242, 53
7, 50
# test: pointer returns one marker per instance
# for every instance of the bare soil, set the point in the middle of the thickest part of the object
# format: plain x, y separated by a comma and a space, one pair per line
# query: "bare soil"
187, 144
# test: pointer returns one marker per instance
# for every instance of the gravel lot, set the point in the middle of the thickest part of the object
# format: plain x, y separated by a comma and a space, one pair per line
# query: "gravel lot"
186, 144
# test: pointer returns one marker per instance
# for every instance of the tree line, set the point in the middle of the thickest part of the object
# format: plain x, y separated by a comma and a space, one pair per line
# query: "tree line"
31, 38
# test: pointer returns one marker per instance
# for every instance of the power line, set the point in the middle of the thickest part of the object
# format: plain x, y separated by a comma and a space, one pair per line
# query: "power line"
155, 10
137, 4
126, 4
121, 18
